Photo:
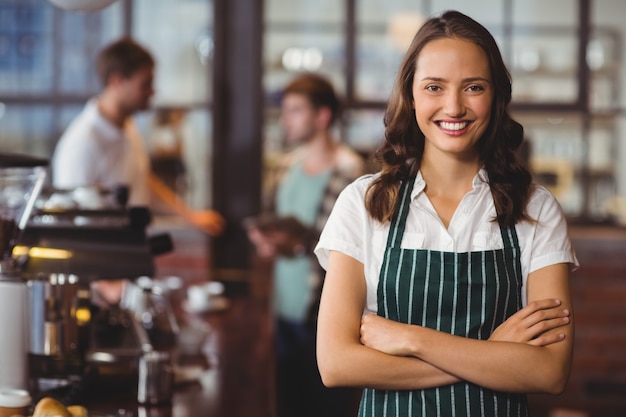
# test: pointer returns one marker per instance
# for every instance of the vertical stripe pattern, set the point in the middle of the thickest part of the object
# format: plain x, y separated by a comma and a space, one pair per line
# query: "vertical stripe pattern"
465, 294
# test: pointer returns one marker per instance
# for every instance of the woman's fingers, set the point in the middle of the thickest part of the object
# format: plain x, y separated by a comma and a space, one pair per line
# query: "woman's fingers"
538, 306
531, 323
547, 339
544, 319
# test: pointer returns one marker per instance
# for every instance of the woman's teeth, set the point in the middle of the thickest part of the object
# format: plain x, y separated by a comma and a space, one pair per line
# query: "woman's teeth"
453, 125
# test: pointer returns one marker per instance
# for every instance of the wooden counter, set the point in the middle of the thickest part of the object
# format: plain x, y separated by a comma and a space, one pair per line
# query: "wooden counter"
237, 375
239, 378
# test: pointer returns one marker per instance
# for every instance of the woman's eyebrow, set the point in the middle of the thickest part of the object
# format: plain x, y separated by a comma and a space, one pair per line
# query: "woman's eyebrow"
466, 80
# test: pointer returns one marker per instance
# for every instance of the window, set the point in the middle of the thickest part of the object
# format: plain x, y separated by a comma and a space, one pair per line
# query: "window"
47, 72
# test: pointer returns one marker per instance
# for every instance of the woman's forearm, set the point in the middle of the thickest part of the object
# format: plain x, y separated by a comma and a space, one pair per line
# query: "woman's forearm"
353, 364
442, 359
501, 366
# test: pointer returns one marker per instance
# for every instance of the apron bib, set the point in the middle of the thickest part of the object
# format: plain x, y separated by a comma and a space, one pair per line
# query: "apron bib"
466, 294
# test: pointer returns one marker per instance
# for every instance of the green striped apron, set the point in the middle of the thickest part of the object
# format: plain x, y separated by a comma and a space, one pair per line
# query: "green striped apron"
465, 294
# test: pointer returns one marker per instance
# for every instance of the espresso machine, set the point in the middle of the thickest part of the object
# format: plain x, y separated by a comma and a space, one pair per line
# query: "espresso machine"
21, 180
67, 250
54, 332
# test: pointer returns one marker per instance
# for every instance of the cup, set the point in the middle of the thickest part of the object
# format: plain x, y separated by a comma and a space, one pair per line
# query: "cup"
156, 378
197, 297
14, 402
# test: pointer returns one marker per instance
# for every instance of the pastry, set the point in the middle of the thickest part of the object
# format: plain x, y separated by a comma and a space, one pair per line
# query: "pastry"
49, 407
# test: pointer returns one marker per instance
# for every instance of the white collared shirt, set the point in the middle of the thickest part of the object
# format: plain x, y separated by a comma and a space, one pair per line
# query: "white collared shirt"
352, 231
95, 152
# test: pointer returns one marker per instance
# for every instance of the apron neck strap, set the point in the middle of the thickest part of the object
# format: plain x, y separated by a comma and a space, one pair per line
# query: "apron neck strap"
396, 230
509, 236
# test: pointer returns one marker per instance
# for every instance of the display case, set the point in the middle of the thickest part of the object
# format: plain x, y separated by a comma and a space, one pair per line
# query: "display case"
574, 151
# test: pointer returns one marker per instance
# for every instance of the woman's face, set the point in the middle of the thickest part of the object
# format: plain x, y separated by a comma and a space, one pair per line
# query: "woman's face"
452, 96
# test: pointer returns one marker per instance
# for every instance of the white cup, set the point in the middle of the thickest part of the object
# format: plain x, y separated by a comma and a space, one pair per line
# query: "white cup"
13, 402
214, 288
197, 297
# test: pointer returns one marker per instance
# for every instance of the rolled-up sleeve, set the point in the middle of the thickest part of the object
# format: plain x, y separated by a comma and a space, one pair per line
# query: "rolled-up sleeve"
551, 243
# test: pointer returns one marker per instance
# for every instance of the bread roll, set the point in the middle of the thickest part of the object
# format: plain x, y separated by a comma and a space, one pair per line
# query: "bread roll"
49, 407
77, 411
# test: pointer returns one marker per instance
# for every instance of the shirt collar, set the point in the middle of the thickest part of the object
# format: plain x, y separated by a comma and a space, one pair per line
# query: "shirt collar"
481, 179
107, 130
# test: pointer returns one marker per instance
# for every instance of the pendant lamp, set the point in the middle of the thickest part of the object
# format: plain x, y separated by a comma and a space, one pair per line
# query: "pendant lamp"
82, 5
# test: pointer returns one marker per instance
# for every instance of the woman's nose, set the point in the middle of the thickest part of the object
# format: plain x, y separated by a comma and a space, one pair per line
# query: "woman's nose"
454, 105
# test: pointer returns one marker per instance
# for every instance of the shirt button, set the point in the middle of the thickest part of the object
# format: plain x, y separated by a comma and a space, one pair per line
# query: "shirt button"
448, 243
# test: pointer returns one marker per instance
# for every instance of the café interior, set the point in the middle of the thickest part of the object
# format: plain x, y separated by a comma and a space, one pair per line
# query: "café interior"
220, 68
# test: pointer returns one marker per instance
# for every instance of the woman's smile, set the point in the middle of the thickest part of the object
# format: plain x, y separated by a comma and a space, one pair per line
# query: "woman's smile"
454, 128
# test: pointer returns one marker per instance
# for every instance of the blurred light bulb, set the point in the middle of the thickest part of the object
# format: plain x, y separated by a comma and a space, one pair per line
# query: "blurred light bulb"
297, 59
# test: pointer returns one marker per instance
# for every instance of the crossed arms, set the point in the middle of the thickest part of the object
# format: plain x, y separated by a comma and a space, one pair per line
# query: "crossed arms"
530, 352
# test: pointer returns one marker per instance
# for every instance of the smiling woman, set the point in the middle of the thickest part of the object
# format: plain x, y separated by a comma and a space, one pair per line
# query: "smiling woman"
447, 324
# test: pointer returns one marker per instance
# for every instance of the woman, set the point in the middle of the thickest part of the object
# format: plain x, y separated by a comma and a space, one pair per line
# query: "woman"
464, 261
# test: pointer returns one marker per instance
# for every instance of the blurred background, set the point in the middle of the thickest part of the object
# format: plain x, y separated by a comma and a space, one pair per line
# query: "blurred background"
566, 58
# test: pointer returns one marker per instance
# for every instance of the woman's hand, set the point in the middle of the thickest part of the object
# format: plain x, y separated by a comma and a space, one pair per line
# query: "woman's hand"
386, 335
532, 324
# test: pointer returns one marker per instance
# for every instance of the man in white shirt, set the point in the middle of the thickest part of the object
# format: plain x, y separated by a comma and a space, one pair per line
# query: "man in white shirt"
96, 149
102, 146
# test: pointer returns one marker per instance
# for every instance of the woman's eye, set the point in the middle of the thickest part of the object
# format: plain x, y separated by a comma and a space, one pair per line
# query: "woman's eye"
475, 87
433, 88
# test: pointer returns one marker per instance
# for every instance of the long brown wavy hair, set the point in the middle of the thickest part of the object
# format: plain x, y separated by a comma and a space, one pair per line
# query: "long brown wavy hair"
401, 154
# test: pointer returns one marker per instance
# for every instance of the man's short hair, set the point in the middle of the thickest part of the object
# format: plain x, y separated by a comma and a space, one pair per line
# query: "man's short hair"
318, 90
125, 57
